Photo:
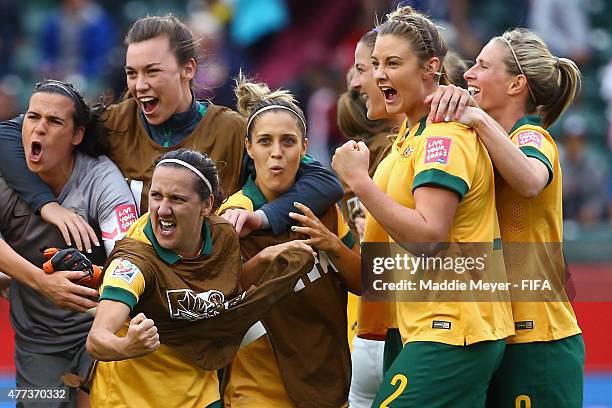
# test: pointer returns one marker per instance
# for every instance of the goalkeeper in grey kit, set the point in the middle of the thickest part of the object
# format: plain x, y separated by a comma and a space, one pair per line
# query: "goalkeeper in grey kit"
50, 338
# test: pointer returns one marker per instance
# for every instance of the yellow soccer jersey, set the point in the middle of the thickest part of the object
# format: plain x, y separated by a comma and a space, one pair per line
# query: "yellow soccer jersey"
255, 380
190, 386
531, 229
450, 156
374, 318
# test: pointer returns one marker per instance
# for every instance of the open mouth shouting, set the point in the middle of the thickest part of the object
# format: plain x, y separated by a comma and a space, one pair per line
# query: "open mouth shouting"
36, 152
167, 227
148, 103
390, 94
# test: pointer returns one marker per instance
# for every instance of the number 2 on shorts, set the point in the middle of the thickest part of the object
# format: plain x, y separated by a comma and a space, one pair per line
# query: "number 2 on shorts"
518, 402
403, 383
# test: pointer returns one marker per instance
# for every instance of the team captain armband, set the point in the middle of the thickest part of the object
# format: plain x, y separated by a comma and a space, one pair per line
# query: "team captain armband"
123, 282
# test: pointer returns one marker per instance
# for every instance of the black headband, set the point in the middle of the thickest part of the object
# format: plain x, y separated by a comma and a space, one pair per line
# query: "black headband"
65, 89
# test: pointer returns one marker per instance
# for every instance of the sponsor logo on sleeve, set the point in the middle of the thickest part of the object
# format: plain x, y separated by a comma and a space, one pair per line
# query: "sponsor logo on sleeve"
529, 137
126, 271
437, 150
126, 215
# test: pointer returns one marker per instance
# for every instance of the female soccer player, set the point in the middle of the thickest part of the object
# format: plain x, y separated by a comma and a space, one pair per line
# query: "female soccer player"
441, 182
302, 357
521, 89
178, 267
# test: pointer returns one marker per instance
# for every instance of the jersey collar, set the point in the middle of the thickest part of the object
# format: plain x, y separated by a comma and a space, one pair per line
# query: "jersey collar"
526, 120
421, 127
178, 126
170, 257
253, 192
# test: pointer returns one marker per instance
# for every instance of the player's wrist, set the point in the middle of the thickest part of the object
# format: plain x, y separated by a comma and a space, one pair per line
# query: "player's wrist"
121, 347
37, 279
358, 184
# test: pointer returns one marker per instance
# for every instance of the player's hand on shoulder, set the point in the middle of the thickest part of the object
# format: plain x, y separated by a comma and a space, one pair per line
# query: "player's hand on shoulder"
244, 221
73, 227
142, 337
448, 103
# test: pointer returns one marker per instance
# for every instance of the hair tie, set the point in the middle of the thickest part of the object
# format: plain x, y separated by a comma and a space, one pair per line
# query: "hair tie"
557, 63
190, 167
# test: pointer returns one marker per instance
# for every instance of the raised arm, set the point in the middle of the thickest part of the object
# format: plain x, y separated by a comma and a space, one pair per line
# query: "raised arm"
429, 221
104, 344
14, 169
118, 297
526, 175
316, 187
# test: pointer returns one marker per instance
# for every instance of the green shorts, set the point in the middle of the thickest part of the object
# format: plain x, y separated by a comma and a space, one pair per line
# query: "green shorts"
393, 346
540, 375
437, 375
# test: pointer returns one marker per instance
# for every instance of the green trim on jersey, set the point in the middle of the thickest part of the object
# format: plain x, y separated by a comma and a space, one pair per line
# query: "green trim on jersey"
440, 178
422, 125
170, 257
526, 120
307, 159
253, 193
348, 239
119, 295
531, 151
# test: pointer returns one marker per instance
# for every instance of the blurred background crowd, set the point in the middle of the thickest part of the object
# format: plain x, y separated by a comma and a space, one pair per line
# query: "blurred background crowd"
307, 46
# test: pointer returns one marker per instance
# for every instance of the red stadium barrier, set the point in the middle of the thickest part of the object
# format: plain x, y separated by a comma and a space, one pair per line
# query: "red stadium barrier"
6, 340
593, 284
